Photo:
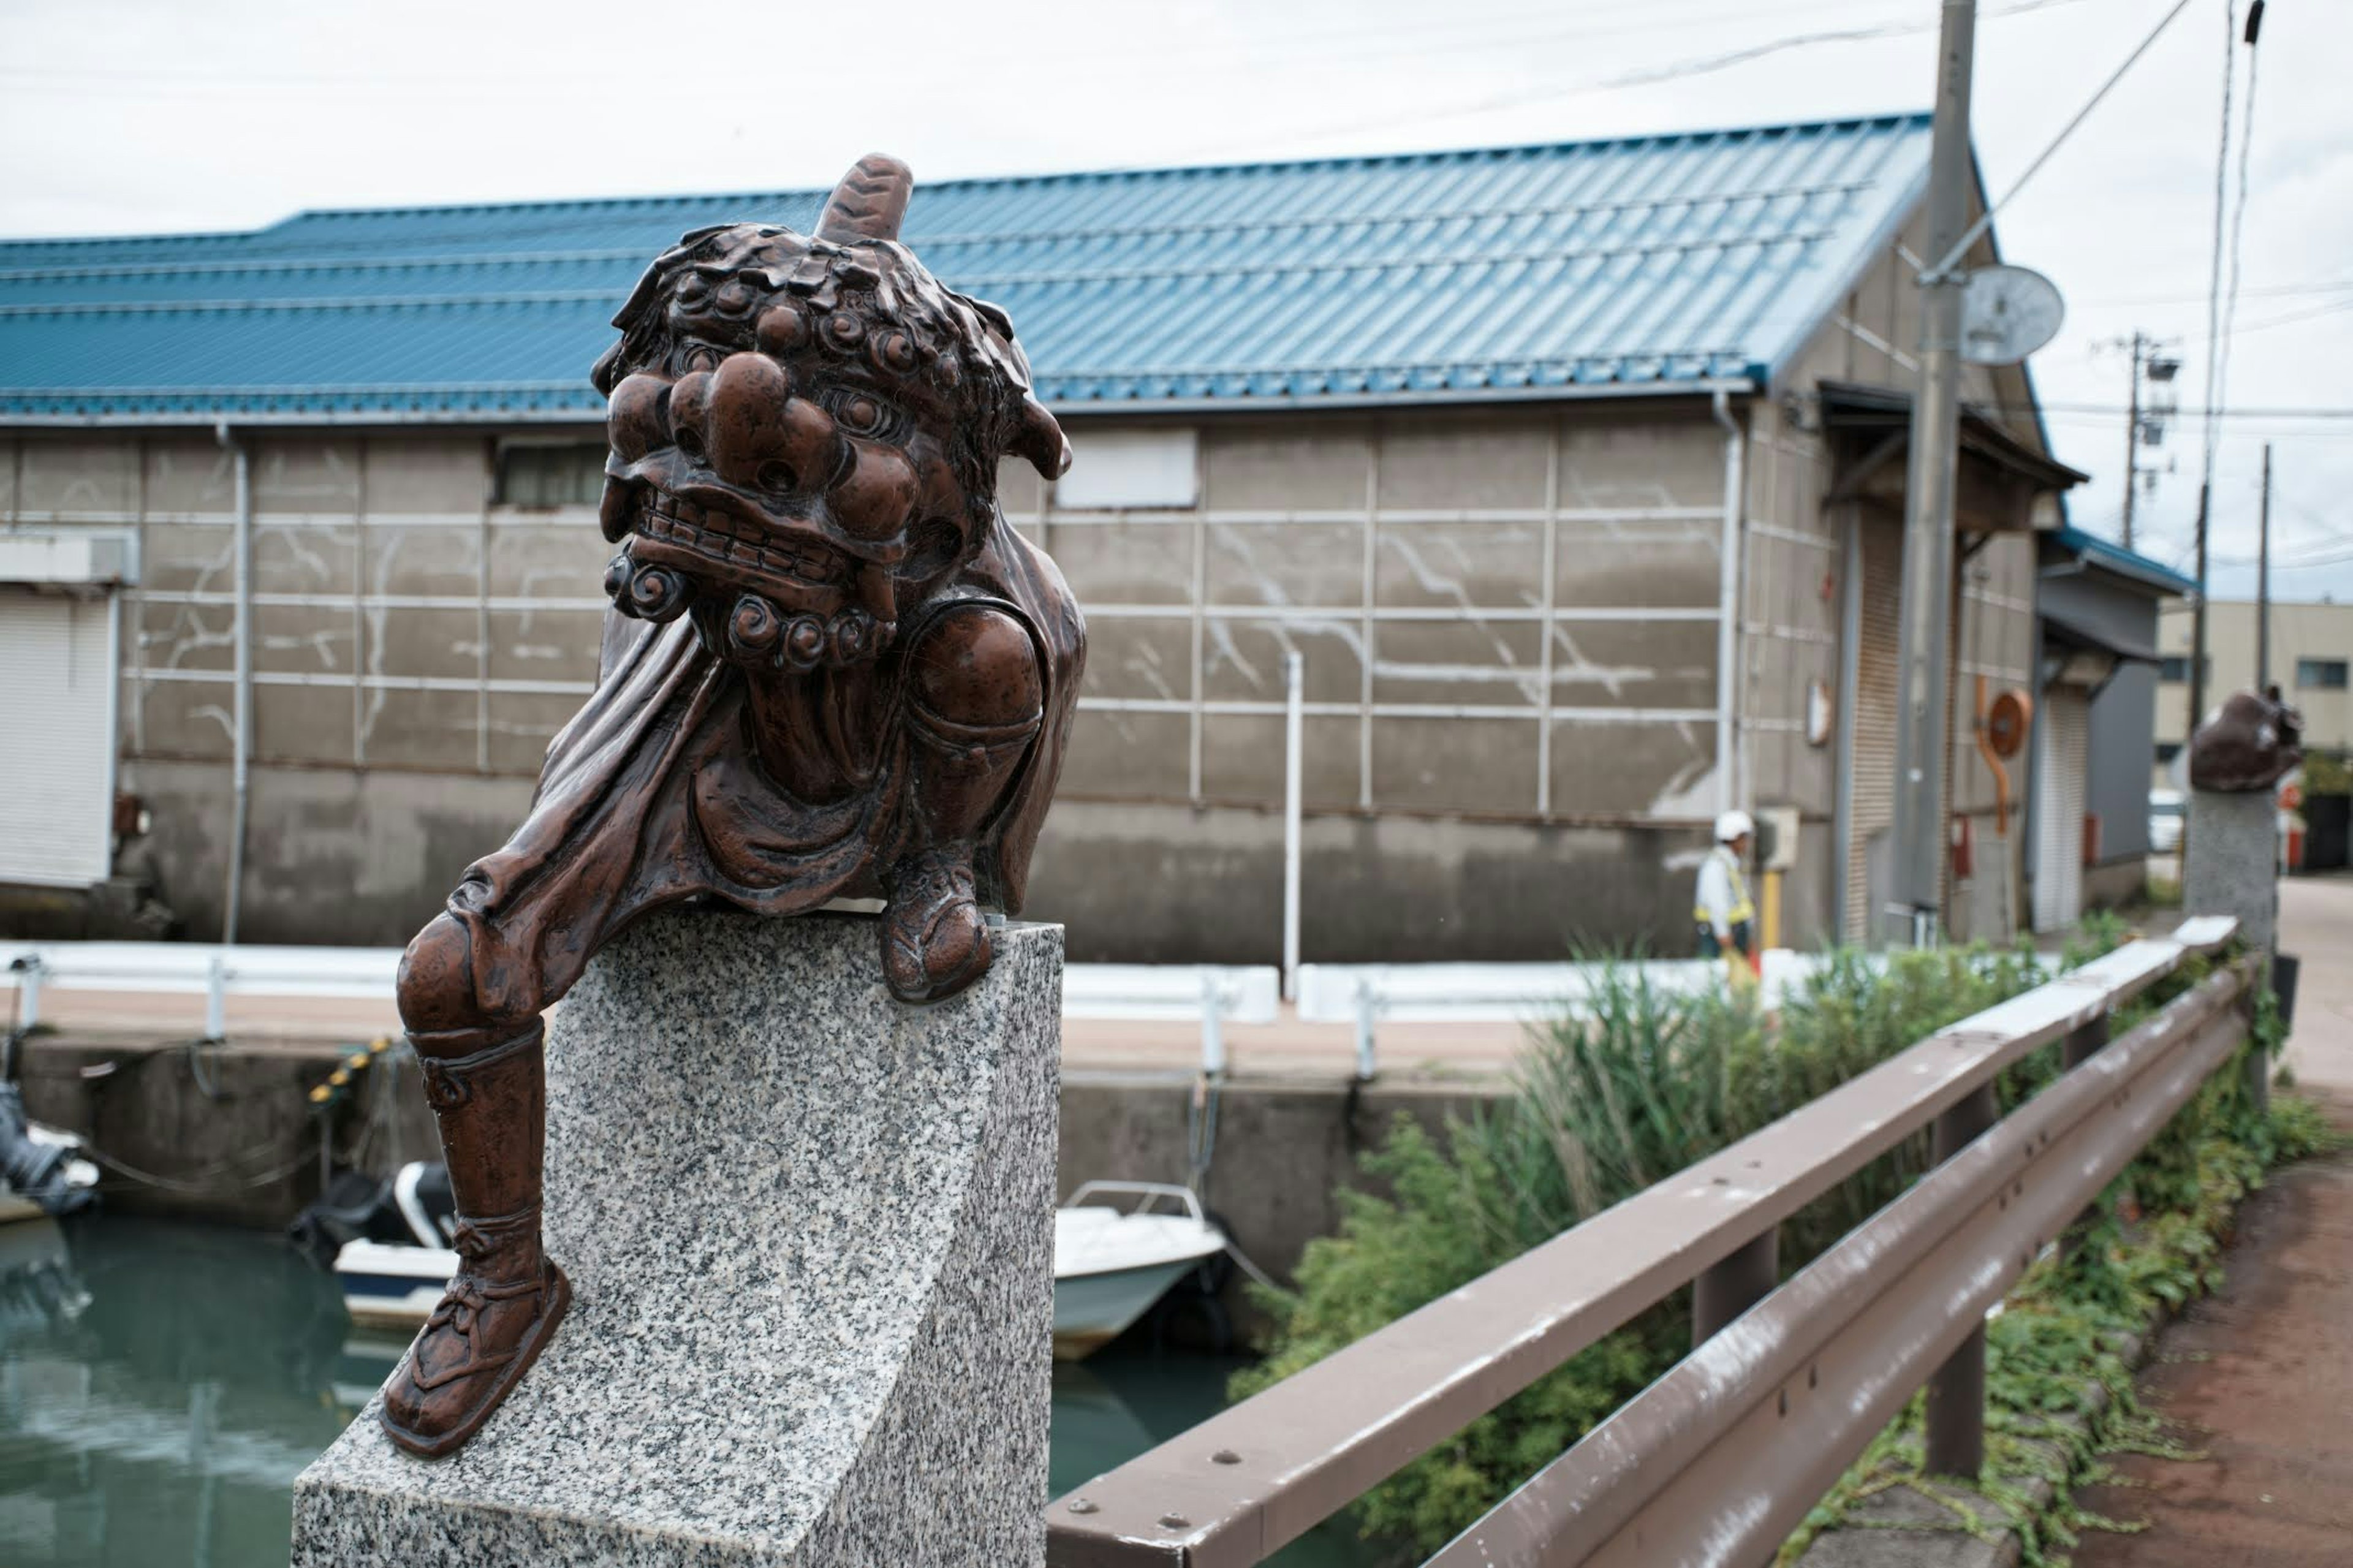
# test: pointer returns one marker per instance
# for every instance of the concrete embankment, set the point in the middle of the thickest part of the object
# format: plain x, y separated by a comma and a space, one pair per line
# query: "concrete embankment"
229, 1132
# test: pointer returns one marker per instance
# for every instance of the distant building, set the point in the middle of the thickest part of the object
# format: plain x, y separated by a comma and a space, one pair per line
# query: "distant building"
1575, 472
2312, 650
2088, 832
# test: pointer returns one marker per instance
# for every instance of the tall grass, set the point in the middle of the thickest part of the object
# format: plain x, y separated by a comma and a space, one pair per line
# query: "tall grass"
1641, 1083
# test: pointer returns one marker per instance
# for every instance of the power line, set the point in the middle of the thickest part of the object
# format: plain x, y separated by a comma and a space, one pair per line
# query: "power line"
1352, 42
2239, 211
1648, 76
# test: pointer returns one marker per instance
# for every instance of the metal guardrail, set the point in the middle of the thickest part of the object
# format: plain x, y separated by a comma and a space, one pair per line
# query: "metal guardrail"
1717, 1462
1214, 995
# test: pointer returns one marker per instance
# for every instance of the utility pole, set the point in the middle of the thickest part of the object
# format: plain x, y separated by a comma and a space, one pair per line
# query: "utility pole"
1926, 608
2198, 621
2263, 581
2132, 438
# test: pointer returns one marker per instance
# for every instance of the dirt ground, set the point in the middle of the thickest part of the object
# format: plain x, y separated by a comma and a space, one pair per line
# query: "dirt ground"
2259, 1377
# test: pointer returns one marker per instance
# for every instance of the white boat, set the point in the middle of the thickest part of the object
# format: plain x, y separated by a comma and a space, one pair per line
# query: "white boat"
1112, 1261
1112, 1264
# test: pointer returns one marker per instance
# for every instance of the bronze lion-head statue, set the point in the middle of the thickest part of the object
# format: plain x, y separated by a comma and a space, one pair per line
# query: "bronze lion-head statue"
806, 432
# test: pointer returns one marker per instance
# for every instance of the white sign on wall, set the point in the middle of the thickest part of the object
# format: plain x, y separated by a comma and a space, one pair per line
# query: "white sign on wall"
1131, 468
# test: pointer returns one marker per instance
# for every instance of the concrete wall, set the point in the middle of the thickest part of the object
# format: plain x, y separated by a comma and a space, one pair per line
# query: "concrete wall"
1524, 742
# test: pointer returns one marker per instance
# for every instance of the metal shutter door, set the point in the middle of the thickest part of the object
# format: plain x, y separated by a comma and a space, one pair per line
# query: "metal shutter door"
1875, 671
57, 738
2063, 760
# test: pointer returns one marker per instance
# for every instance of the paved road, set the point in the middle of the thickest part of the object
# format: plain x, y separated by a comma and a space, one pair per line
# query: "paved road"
2261, 1373
2317, 925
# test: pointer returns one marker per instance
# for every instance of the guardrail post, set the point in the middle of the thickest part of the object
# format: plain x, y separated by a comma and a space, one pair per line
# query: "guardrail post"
1724, 1290
1213, 1024
1956, 1423
2082, 1045
28, 992
217, 999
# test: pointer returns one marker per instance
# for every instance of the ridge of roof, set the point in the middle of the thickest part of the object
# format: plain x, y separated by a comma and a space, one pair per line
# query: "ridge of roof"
1123, 173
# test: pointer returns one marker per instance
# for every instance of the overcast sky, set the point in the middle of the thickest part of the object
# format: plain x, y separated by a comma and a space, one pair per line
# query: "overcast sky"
197, 114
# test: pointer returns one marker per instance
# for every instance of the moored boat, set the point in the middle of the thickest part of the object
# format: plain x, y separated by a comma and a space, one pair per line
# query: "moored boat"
1112, 1260
1112, 1264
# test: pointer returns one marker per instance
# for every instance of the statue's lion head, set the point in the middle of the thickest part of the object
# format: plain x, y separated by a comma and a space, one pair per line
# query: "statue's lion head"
806, 432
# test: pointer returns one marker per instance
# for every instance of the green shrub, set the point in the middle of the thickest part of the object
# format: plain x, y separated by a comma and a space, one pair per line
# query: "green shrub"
1645, 1082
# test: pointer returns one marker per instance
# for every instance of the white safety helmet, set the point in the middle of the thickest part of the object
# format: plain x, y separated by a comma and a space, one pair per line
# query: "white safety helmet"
1733, 825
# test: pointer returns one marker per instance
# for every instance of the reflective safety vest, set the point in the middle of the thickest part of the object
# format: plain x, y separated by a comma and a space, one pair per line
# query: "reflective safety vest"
1741, 909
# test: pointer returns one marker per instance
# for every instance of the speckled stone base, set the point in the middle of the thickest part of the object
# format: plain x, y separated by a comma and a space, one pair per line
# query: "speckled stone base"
810, 1237
2230, 865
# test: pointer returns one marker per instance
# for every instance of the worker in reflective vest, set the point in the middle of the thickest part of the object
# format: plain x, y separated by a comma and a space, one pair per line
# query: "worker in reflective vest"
1725, 917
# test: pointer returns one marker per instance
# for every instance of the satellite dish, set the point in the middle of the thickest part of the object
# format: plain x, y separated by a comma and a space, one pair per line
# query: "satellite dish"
2007, 313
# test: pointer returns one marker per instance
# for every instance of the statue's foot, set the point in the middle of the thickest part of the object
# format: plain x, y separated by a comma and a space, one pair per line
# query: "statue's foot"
498, 1314
934, 940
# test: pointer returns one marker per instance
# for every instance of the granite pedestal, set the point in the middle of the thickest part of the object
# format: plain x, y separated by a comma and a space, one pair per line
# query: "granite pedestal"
810, 1232
2231, 862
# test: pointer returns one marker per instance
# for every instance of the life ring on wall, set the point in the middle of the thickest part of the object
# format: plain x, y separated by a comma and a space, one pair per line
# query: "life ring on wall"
2007, 720
2002, 725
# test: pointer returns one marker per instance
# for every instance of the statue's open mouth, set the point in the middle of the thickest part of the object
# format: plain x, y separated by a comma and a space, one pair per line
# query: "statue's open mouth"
745, 550
770, 596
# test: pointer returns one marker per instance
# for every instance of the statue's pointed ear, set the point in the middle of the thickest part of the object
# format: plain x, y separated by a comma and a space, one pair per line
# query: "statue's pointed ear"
1039, 438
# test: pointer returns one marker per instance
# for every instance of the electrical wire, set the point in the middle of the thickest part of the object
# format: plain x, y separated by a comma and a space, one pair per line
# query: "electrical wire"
1647, 76
1944, 265
2210, 423
2239, 215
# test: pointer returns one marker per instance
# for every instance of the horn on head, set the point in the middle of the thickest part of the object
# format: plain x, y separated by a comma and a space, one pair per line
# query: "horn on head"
868, 202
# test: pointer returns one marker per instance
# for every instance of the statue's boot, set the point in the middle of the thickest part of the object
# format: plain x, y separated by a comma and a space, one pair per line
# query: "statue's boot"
935, 937
507, 1298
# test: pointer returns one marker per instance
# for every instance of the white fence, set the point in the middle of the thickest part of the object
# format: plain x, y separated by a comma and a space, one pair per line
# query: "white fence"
1213, 995
1362, 995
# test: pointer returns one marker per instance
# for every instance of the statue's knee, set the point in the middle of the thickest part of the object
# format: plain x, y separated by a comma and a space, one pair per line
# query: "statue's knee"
977, 667
436, 988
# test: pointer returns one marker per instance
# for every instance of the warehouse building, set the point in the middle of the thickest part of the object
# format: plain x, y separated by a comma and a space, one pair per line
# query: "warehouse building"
1573, 472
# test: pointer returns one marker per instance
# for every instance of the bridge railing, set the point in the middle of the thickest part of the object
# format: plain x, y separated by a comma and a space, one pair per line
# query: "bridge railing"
1214, 995
1722, 1457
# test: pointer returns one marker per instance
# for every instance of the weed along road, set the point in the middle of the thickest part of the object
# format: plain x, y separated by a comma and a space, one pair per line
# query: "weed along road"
2257, 1377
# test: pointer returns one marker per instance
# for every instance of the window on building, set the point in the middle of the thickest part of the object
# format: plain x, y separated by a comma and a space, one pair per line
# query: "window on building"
2320, 674
540, 475
2175, 668
1132, 468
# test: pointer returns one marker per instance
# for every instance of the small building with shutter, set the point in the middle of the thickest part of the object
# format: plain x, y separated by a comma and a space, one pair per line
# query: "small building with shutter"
2094, 724
1573, 472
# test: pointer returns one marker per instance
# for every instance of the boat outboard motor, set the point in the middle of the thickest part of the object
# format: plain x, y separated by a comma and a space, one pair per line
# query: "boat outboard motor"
415, 1208
37, 1172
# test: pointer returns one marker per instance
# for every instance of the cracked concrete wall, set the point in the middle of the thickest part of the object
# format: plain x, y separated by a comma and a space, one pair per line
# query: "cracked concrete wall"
416, 644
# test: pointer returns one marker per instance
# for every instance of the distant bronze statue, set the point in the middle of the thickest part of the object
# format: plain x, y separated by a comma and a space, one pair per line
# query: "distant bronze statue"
830, 670
2250, 743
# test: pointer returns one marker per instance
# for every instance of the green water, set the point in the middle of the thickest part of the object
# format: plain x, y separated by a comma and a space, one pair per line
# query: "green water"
161, 1384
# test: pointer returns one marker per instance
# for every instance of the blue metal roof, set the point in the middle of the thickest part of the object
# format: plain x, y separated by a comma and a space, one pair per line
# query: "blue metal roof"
1637, 263
2098, 551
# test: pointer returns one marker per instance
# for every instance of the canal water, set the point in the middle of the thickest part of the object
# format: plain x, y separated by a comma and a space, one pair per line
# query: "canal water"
162, 1384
